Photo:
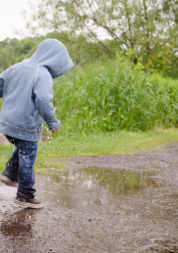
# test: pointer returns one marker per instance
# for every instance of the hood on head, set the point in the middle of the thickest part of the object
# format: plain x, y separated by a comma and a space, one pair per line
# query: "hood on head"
53, 55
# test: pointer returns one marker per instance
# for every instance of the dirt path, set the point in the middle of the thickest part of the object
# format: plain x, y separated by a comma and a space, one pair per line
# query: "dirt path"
99, 204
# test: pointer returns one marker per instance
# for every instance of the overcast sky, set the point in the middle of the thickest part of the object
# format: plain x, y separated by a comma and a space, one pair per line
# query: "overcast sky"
11, 18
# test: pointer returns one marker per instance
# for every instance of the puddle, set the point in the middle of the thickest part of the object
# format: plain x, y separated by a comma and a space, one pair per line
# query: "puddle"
93, 187
93, 210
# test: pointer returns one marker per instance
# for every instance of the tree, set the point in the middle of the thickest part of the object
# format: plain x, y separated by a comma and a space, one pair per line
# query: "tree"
128, 23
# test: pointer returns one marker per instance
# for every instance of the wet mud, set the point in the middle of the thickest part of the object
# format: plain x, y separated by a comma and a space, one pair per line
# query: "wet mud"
99, 204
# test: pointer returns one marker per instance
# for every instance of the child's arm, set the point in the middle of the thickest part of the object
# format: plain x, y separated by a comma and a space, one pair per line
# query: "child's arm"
44, 100
2, 78
1, 87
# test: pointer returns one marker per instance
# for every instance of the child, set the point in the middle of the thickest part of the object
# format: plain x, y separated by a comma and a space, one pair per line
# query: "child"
26, 88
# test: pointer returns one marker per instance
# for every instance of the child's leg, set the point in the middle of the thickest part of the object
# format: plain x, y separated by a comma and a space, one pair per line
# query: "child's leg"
10, 173
11, 169
26, 176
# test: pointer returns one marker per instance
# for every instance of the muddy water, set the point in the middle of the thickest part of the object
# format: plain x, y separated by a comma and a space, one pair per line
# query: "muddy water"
94, 210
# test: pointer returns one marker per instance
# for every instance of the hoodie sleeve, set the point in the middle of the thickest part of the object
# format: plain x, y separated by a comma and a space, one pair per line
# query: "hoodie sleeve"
1, 86
44, 99
2, 77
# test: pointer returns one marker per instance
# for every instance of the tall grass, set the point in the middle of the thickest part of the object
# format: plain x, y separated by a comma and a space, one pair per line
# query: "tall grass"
112, 95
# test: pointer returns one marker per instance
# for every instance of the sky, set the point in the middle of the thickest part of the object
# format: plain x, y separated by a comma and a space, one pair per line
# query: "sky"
11, 17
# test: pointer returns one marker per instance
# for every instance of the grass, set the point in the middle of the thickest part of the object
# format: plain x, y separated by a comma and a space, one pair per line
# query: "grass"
102, 143
93, 144
107, 96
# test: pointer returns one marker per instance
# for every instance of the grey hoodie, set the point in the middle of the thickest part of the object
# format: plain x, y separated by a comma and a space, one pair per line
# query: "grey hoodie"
26, 88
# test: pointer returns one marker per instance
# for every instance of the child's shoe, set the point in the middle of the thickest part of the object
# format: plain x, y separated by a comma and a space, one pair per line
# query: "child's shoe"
27, 202
8, 181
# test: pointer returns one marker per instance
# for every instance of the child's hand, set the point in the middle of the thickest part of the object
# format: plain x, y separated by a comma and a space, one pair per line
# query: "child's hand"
56, 130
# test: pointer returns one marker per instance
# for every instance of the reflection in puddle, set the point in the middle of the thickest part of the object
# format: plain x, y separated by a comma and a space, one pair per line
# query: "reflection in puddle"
20, 220
93, 186
18, 229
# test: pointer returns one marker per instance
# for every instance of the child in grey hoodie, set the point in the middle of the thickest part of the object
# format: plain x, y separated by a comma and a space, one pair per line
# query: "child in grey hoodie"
26, 88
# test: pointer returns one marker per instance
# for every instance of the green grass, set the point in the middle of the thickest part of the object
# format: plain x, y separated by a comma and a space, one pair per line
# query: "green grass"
94, 144
102, 143
107, 96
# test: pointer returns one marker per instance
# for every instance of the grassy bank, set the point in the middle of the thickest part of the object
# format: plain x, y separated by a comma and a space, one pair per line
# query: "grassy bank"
98, 143
111, 95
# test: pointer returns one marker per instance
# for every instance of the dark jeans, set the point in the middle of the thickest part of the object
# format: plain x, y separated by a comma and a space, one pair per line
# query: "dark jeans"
20, 166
